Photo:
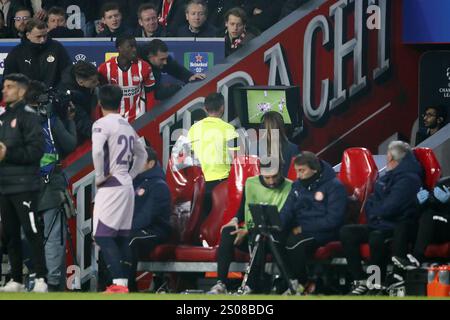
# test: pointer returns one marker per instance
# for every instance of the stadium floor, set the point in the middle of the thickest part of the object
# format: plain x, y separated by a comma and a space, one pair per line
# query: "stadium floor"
149, 296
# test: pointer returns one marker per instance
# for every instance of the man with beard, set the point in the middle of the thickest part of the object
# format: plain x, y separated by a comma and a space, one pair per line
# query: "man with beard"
133, 75
434, 119
38, 57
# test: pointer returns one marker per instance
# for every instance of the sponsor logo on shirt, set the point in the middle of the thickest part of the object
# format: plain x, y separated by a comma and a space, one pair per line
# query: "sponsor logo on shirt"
130, 91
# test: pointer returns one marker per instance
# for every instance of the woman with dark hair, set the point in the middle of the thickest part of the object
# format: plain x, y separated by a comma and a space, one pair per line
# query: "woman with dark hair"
272, 121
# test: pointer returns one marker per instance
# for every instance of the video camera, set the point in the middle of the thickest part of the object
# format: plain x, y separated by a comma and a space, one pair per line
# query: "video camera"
53, 101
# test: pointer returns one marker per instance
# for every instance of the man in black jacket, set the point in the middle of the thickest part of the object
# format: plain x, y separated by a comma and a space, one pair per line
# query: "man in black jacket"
21, 149
38, 57
197, 25
156, 53
148, 22
151, 217
82, 79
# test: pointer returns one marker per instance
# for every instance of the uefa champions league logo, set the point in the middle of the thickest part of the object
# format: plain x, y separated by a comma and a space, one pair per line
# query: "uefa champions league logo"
448, 74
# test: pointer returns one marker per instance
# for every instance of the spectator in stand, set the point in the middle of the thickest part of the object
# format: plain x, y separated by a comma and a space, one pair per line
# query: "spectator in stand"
148, 22
236, 33
157, 54
82, 79
88, 11
434, 118
196, 26
129, 9
21, 17
38, 57
57, 25
133, 75
9, 9
171, 14
112, 21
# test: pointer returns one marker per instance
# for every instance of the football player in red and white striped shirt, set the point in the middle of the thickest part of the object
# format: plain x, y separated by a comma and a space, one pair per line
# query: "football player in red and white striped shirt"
133, 75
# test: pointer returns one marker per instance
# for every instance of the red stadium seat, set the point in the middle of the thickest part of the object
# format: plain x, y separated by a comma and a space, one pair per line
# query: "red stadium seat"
358, 174
432, 174
292, 175
185, 185
209, 230
242, 168
431, 166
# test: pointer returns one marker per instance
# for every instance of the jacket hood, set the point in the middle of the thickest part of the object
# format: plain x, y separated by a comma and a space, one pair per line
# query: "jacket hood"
35, 46
326, 175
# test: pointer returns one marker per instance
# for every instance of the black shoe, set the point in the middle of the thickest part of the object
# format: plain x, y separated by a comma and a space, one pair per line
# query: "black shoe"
395, 285
359, 288
410, 263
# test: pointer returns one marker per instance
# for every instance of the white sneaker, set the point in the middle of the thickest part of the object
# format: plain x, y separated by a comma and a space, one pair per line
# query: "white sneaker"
298, 288
244, 291
40, 286
218, 288
13, 286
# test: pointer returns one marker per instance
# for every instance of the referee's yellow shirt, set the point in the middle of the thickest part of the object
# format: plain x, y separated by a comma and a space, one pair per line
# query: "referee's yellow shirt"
210, 138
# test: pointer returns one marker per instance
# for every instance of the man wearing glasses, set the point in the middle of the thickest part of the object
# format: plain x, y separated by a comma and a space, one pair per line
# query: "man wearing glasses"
20, 19
434, 118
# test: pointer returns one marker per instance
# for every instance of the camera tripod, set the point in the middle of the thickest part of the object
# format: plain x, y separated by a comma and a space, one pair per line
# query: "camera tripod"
64, 224
264, 233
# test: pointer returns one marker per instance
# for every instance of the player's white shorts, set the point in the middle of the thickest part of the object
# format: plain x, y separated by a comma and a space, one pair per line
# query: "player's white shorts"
113, 211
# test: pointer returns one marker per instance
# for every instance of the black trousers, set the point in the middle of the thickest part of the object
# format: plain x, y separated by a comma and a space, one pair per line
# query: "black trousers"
352, 236
404, 237
19, 210
434, 228
142, 243
299, 249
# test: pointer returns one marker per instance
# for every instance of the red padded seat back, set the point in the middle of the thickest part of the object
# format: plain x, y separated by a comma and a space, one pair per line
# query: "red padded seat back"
358, 174
187, 186
242, 168
430, 165
292, 175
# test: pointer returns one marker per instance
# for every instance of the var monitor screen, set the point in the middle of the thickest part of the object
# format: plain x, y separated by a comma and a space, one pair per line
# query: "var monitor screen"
253, 102
262, 101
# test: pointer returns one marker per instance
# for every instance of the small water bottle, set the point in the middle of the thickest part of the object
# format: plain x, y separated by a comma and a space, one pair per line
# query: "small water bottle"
431, 273
444, 275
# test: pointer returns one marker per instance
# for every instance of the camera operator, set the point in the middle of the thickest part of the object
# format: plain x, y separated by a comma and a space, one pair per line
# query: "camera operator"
59, 131
82, 79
